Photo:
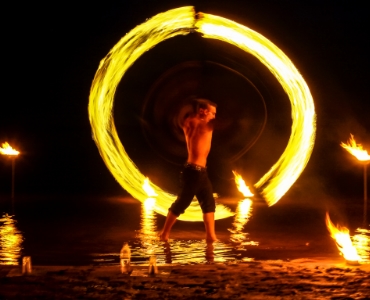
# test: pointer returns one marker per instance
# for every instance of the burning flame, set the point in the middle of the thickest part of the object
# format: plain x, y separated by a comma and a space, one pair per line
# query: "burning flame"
242, 187
182, 21
341, 236
6, 149
148, 189
356, 149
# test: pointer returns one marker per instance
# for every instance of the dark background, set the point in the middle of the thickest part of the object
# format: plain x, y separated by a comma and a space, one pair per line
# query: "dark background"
52, 51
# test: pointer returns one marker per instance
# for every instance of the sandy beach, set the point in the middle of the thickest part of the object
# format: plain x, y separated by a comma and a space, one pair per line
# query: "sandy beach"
318, 278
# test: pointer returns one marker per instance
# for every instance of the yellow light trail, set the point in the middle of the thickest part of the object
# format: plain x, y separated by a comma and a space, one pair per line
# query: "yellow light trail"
277, 181
182, 21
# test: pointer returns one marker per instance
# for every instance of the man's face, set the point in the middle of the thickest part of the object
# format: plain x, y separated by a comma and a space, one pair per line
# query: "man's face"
210, 113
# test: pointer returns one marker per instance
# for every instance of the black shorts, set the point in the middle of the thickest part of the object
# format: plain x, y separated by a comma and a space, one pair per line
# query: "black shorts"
194, 182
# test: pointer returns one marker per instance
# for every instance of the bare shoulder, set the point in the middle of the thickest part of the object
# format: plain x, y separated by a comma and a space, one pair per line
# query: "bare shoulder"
189, 121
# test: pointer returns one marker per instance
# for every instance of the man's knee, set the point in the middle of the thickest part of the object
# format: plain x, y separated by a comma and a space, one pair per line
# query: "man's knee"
208, 206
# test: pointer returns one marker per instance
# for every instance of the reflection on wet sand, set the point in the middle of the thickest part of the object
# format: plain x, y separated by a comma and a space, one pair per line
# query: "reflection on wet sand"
242, 216
175, 251
148, 231
10, 241
361, 241
187, 251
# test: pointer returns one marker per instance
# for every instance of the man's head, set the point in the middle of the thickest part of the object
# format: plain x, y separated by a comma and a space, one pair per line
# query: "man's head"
206, 109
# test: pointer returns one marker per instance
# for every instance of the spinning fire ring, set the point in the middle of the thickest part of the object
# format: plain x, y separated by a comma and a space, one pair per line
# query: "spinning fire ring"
181, 21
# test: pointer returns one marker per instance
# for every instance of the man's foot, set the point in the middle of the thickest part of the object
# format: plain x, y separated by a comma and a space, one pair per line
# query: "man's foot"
171, 218
210, 254
211, 239
163, 237
209, 223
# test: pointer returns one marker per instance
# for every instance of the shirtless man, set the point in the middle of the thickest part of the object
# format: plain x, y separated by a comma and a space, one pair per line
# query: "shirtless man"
198, 130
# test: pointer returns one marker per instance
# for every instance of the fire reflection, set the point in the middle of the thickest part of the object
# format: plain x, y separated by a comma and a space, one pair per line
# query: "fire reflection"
194, 252
361, 241
177, 251
147, 233
10, 241
243, 214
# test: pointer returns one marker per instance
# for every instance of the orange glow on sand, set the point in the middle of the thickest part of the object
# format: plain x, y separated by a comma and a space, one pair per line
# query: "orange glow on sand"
6, 149
242, 187
356, 150
341, 235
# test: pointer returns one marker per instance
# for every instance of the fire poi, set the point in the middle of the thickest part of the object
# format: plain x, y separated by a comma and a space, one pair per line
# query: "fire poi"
182, 21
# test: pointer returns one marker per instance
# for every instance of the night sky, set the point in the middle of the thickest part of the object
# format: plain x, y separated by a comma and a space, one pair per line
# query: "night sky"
51, 53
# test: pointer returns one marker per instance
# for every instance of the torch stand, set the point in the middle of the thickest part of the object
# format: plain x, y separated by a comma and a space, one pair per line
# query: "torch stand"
13, 175
365, 195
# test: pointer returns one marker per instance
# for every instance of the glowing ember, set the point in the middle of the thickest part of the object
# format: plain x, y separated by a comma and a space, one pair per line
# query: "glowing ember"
240, 183
341, 236
148, 189
356, 149
182, 21
6, 149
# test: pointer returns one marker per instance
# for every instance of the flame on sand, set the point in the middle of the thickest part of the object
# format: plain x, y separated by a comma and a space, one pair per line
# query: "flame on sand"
242, 187
6, 149
356, 149
343, 240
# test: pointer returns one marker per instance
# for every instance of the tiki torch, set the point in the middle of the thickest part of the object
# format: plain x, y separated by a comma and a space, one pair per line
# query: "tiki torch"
362, 155
7, 150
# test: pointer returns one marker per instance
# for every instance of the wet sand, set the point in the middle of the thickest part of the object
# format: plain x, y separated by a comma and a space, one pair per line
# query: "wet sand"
318, 278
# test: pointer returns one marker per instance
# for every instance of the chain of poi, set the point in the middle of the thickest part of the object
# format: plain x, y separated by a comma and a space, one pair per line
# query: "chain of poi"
182, 21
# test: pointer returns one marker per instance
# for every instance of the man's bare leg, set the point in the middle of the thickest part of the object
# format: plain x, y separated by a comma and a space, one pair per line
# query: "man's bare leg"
170, 220
209, 223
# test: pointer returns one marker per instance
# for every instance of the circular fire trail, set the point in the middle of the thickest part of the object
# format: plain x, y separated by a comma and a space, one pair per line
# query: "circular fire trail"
182, 21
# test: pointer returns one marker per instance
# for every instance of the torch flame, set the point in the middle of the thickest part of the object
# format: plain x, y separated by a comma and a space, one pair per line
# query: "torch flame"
356, 149
148, 189
242, 187
341, 235
8, 150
